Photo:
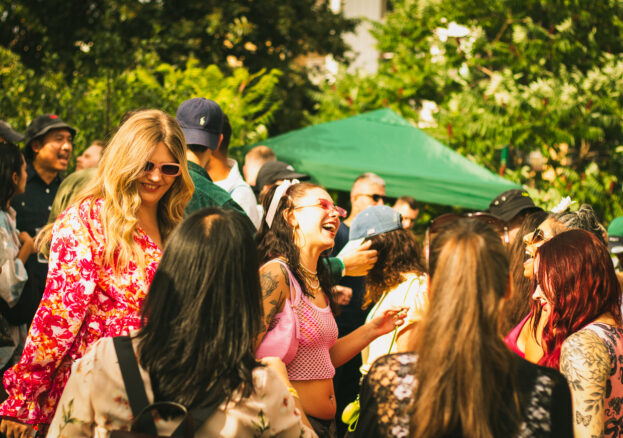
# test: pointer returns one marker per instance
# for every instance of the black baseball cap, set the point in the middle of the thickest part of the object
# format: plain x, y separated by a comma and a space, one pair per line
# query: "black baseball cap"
201, 120
510, 203
274, 171
43, 124
9, 134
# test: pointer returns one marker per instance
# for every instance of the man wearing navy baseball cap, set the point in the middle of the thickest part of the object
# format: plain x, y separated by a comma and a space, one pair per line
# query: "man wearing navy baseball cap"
201, 120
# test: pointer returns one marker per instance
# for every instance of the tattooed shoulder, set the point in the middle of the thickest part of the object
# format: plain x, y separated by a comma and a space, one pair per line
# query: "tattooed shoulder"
269, 282
284, 271
584, 359
272, 283
585, 362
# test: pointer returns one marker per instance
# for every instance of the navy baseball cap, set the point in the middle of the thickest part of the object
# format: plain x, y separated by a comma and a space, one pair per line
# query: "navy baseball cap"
201, 120
375, 220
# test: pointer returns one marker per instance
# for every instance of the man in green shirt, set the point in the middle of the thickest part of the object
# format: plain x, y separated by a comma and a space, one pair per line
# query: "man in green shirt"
202, 122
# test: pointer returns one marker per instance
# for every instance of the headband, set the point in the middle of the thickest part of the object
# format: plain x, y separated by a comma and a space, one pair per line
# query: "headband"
281, 189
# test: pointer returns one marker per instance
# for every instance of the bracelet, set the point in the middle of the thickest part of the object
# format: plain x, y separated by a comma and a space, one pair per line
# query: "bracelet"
294, 392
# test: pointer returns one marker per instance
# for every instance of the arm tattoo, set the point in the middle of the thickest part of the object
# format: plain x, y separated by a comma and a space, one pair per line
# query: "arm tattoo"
271, 295
269, 283
585, 362
285, 274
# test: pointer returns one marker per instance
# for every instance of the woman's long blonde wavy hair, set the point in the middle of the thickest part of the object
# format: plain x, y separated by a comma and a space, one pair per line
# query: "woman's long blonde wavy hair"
465, 372
116, 183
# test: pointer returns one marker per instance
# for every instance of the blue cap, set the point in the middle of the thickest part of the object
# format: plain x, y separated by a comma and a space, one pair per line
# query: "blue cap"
201, 120
375, 220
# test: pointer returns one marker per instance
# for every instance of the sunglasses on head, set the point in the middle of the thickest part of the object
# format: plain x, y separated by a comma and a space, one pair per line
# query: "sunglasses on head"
537, 236
168, 169
327, 205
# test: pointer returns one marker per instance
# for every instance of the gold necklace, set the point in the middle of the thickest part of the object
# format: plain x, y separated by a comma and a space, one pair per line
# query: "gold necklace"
312, 282
308, 271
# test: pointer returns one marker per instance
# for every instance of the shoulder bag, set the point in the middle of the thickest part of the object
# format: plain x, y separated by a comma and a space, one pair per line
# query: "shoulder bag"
282, 340
143, 425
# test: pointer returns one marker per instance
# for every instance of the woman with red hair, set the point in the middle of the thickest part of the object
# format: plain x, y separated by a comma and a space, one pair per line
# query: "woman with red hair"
583, 336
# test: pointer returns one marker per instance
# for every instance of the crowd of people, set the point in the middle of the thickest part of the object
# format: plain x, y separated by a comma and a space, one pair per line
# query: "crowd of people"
158, 283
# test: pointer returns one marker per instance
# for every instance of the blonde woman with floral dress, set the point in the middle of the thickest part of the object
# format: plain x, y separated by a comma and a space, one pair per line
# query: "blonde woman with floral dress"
103, 252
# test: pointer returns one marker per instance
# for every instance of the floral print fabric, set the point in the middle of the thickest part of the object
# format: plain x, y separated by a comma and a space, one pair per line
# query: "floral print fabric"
84, 300
390, 387
95, 402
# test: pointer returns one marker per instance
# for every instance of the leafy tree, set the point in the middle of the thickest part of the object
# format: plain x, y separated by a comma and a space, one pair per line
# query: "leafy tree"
520, 75
95, 106
90, 38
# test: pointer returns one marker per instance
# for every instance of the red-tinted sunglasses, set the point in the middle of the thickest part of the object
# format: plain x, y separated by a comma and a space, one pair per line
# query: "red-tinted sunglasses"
327, 205
168, 169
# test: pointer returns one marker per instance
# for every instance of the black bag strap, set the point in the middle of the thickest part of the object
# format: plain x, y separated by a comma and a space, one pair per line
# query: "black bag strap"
133, 383
200, 415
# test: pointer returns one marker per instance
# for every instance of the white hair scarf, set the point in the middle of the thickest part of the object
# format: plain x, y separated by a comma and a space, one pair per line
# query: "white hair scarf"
281, 189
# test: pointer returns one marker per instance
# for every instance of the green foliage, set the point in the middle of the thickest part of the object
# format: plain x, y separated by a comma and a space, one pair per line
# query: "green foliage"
95, 38
94, 105
527, 75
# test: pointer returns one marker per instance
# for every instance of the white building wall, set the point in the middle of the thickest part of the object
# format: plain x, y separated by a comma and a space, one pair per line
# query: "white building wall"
363, 44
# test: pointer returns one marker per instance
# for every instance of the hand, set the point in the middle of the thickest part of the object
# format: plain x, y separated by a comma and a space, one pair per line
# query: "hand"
277, 365
388, 321
28, 246
360, 260
342, 294
23, 236
14, 429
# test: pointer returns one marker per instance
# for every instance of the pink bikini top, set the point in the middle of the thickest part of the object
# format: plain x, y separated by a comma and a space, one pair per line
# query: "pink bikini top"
318, 333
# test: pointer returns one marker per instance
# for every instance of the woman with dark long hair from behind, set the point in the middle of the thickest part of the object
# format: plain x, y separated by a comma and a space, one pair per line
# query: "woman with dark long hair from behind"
463, 381
578, 290
195, 346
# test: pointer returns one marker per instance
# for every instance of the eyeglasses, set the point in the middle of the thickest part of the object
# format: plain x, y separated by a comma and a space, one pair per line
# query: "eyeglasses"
375, 197
326, 205
168, 169
439, 223
534, 238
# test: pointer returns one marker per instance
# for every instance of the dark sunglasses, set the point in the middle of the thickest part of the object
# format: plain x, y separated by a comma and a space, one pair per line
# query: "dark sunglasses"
168, 169
376, 197
538, 236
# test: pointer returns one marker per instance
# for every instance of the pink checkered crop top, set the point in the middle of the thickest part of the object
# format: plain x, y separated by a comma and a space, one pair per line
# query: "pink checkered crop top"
318, 333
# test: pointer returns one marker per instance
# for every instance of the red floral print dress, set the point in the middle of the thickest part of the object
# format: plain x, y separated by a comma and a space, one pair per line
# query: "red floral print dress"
84, 300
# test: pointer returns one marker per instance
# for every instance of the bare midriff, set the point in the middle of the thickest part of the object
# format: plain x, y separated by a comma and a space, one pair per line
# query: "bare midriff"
317, 397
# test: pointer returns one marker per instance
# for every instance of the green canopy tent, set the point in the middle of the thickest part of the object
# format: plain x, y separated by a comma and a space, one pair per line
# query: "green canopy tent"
411, 162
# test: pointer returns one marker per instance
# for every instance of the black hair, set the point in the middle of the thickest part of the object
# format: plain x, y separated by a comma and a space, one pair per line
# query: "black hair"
412, 203
226, 134
203, 311
29, 153
278, 239
11, 161
398, 253
518, 305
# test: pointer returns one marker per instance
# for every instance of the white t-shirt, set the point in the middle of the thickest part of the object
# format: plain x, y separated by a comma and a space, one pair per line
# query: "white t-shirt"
410, 293
241, 192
